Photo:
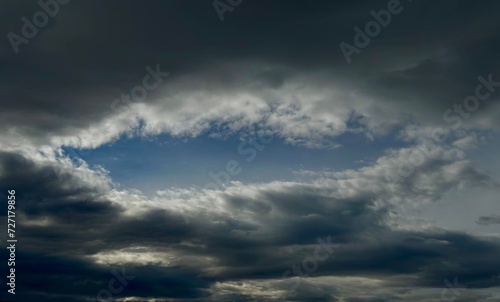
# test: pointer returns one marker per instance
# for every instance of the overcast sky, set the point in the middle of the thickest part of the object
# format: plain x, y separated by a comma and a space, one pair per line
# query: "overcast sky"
251, 150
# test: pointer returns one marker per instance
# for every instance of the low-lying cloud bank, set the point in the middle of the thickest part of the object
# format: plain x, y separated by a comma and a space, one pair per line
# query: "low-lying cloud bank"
239, 241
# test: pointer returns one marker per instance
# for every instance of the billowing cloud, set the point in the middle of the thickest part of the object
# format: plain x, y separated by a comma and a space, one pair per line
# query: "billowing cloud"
238, 237
422, 97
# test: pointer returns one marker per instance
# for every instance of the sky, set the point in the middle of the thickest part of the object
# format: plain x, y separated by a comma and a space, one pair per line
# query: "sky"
250, 150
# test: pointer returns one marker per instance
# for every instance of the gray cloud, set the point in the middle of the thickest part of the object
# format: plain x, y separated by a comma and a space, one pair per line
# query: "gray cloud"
271, 66
59, 86
80, 230
487, 220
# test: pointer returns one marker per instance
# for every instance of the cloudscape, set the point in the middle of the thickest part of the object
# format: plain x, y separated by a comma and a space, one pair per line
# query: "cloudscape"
250, 150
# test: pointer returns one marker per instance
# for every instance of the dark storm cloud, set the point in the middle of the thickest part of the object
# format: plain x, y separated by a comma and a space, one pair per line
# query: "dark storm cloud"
55, 259
487, 220
66, 77
91, 52
59, 278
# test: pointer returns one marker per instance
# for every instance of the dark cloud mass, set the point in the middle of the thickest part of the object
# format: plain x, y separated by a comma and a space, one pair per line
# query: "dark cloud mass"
66, 77
271, 67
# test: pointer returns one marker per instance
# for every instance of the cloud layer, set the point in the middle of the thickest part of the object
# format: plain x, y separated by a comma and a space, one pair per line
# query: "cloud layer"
96, 74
